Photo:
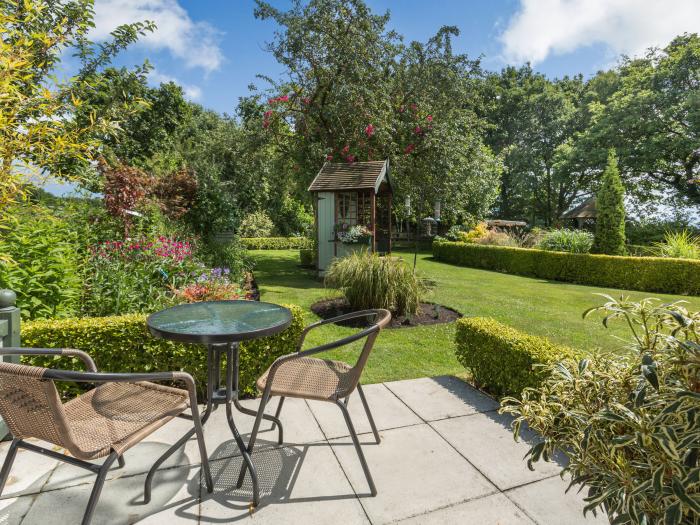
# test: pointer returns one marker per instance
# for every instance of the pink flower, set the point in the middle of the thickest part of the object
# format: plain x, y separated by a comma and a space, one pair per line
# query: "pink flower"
350, 159
417, 130
429, 118
283, 98
306, 100
414, 108
409, 149
369, 130
266, 124
329, 157
346, 148
268, 113
271, 101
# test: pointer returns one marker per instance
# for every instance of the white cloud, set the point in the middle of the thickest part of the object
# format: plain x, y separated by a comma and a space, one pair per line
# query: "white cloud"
191, 91
541, 28
196, 43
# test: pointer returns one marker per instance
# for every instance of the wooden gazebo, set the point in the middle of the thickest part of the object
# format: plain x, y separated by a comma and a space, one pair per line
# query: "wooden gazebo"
347, 195
585, 211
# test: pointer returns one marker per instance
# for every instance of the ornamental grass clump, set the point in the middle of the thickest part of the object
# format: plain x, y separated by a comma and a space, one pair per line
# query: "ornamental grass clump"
628, 424
681, 245
564, 240
369, 281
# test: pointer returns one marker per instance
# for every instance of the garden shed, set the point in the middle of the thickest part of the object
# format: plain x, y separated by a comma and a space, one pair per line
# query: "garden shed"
352, 204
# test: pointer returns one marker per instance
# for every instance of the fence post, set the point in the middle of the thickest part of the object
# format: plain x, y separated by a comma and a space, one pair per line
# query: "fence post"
9, 333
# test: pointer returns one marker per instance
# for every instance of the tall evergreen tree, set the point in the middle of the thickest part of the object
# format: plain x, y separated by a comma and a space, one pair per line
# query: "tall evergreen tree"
610, 206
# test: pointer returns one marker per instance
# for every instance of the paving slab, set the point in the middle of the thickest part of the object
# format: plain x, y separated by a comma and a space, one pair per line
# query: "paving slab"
299, 485
12, 510
415, 471
30, 471
491, 510
175, 500
434, 398
387, 409
486, 440
546, 503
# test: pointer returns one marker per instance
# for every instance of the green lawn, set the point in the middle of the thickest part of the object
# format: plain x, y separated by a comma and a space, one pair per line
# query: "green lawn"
546, 308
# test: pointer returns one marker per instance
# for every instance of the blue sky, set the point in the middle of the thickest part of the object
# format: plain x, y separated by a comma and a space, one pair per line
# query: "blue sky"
214, 48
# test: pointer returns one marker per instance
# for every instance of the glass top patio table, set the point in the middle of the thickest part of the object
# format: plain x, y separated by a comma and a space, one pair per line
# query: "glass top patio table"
218, 322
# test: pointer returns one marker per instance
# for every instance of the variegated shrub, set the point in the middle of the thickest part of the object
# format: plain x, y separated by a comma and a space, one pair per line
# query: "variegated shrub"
629, 425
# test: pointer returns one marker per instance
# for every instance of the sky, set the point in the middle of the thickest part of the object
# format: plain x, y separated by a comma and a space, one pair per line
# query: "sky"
215, 48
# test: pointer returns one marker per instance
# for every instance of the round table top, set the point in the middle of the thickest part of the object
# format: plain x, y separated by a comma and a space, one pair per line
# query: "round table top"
215, 322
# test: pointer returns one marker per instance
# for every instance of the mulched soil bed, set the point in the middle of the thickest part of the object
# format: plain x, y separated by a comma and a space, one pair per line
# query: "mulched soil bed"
428, 313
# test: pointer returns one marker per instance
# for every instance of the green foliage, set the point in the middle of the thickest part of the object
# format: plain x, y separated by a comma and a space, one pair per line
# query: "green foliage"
369, 281
292, 219
648, 232
682, 245
307, 257
256, 224
610, 212
651, 274
231, 255
137, 276
563, 240
123, 344
629, 424
276, 243
45, 265
502, 359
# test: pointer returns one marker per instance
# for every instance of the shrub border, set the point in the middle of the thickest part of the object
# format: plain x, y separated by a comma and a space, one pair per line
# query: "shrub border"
276, 243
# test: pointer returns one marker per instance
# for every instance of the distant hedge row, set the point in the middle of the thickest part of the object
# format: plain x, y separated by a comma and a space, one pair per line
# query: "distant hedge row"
502, 359
276, 243
649, 274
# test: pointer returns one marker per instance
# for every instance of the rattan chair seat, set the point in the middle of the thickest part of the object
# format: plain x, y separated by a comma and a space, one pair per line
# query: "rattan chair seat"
311, 378
115, 416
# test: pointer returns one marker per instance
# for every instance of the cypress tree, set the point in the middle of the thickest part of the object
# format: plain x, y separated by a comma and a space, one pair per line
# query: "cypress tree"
610, 207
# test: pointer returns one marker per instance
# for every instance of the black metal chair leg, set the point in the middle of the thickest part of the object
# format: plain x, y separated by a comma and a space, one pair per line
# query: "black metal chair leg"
7, 465
356, 442
97, 489
277, 415
369, 413
253, 436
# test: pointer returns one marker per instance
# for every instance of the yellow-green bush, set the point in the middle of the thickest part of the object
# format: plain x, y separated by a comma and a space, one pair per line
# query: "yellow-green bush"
502, 359
276, 243
124, 344
307, 257
650, 274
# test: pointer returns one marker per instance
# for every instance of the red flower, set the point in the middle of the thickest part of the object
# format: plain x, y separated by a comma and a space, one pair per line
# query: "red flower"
369, 130
350, 159
283, 98
409, 149
329, 157
346, 148
271, 101
268, 113
429, 118
417, 130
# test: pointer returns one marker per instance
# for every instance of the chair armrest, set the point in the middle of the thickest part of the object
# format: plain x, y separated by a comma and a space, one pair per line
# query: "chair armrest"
337, 319
85, 358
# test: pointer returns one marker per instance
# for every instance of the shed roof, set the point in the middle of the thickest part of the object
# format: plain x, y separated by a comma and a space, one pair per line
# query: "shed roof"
339, 176
585, 210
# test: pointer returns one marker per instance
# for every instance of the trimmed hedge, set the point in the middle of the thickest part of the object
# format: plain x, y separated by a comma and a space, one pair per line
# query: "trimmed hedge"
649, 274
124, 344
502, 359
276, 243
306, 257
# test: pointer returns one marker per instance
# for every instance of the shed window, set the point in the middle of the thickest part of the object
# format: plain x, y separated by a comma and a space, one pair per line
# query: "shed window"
354, 208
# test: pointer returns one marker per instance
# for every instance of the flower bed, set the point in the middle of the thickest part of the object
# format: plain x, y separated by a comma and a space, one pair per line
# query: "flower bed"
652, 274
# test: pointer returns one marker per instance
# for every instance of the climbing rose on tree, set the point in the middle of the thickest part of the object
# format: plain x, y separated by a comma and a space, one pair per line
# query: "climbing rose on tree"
369, 130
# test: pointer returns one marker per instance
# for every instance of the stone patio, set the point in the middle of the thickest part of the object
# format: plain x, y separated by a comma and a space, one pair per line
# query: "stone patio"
446, 457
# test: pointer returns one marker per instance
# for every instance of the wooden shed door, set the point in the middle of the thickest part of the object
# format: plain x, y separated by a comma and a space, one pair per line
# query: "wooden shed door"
326, 223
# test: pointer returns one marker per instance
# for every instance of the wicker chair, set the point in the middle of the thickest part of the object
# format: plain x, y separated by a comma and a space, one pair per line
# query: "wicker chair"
299, 375
103, 422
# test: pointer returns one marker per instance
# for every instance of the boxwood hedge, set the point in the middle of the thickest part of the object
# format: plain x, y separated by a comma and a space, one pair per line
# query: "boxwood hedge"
650, 274
276, 243
123, 344
502, 359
